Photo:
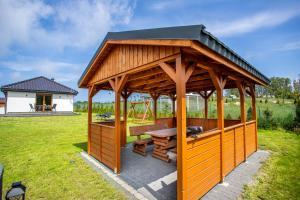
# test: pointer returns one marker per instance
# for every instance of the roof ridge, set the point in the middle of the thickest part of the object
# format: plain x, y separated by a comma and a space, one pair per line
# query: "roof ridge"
18, 82
59, 84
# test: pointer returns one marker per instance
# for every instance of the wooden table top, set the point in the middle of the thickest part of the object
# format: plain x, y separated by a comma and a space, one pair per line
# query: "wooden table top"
163, 132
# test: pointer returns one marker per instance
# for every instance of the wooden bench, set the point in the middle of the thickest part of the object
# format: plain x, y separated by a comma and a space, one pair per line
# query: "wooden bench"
140, 145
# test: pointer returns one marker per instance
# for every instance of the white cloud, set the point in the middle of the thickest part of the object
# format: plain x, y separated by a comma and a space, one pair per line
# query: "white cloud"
24, 66
254, 22
290, 46
68, 24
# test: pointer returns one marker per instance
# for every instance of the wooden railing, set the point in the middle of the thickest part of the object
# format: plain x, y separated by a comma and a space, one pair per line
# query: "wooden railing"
203, 156
103, 142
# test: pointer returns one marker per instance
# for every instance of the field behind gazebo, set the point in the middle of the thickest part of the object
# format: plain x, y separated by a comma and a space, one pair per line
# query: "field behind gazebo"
43, 152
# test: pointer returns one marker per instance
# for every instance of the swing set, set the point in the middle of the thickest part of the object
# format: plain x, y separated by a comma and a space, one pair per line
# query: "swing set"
147, 109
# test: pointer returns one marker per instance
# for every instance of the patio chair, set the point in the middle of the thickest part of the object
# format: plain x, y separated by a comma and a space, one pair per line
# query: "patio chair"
140, 145
105, 115
31, 108
54, 107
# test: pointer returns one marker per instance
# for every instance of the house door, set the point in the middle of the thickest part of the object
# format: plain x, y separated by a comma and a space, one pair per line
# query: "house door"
43, 102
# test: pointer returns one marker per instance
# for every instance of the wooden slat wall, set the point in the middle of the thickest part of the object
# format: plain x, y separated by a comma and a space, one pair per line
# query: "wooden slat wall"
103, 142
203, 156
125, 57
231, 122
250, 138
207, 124
170, 122
203, 165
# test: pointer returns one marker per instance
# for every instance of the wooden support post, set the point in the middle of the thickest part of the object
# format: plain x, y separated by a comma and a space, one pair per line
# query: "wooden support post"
254, 115
155, 109
125, 96
206, 96
181, 129
173, 98
242, 91
154, 96
180, 75
117, 84
90, 103
219, 82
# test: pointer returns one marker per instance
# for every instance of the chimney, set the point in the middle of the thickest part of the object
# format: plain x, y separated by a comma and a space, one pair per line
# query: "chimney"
52, 79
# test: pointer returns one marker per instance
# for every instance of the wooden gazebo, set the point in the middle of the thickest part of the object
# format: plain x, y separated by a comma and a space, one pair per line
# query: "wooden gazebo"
173, 61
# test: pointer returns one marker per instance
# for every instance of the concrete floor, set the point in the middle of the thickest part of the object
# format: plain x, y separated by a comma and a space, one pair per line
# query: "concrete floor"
154, 178
149, 178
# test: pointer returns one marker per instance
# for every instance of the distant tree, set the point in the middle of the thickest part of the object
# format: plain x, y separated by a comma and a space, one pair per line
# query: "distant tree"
296, 89
280, 87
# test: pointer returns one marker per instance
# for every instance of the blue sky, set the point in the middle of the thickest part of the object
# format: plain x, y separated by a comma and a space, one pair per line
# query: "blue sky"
58, 38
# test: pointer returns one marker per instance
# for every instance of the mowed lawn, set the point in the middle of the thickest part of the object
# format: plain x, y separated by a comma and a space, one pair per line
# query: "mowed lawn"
43, 153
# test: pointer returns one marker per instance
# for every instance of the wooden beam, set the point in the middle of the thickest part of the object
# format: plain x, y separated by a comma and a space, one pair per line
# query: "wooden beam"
213, 55
138, 69
169, 70
189, 72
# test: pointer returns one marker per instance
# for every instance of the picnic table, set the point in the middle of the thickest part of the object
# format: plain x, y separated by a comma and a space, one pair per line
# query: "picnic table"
163, 140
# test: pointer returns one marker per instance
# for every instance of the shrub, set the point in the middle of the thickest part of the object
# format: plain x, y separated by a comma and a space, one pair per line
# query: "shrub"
288, 123
228, 116
249, 113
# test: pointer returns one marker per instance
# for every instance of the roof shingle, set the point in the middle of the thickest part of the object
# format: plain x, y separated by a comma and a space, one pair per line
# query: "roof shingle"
39, 84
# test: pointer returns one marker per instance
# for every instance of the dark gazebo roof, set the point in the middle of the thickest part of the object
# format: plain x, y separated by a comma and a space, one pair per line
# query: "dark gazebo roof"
192, 32
39, 84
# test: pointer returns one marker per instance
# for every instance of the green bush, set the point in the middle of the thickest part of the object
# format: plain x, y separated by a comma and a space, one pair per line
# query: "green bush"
288, 123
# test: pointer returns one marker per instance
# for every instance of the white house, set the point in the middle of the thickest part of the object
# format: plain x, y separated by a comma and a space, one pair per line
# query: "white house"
38, 94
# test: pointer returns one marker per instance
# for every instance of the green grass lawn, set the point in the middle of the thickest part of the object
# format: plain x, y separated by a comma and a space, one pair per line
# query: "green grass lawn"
43, 153
279, 177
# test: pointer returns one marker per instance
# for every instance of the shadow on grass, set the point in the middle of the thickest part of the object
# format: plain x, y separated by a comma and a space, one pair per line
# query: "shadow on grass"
81, 145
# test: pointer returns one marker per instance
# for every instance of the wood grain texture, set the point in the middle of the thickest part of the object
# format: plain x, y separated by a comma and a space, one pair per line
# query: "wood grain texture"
125, 57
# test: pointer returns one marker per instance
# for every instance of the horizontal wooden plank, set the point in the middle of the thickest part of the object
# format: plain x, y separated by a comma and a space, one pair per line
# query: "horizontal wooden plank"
200, 158
193, 171
195, 143
200, 149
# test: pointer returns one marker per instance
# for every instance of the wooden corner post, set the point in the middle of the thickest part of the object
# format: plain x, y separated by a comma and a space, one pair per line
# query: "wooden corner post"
92, 91
117, 85
242, 91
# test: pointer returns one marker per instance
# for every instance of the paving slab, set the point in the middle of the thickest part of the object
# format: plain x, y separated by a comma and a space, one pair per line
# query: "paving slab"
145, 177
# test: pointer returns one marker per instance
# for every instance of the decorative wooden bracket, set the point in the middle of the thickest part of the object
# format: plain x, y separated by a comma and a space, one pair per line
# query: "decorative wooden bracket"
126, 94
206, 95
241, 87
189, 71
154, 96
170, 71
118, 83
218, 80
93, 90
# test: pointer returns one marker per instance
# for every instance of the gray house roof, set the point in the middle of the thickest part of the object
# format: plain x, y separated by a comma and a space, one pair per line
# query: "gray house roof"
193, 32
39, 84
